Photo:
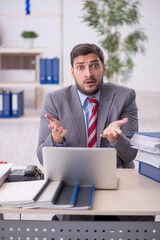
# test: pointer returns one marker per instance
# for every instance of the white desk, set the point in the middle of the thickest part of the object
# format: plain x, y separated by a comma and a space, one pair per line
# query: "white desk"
135, 195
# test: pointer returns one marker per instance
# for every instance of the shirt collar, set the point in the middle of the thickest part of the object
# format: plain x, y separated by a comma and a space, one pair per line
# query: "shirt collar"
83, 97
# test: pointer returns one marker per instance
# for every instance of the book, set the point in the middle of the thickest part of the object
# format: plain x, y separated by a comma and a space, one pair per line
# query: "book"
48, 66
57, 195
4, 171
55, 70
19, 194
42, 68
66, 197
149, 171
1, 103
6, 104
47, 196
84, 197
17, 102
146, 141
150, 158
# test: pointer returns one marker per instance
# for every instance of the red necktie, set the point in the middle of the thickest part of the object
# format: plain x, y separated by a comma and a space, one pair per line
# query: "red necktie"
92, 138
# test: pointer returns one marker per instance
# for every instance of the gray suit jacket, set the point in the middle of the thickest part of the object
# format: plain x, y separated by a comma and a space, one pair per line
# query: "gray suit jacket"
116, 102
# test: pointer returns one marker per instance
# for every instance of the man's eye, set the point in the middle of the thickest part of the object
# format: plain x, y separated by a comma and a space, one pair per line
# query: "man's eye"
95, 65
80, 67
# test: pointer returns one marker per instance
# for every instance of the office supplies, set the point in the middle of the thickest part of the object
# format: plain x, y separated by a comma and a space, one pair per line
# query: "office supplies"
18, 194
42, 69
48, 66
148, 157
17, 103
146, 141
149, 171
5, 169
47, 196
1, 102
55, 70
67, 196
57, 195
84, 197
6, 104
91, 166
31, 172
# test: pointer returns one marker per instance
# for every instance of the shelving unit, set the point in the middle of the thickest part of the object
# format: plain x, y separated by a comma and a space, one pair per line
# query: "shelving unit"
37, 53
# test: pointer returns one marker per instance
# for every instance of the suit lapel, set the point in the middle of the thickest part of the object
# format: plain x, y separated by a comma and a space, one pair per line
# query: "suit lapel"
106, 99
77, 115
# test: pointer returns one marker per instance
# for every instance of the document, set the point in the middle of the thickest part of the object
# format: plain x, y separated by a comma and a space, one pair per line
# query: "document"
18, 194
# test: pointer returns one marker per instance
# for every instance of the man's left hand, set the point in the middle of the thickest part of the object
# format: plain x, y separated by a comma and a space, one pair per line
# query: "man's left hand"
113, 131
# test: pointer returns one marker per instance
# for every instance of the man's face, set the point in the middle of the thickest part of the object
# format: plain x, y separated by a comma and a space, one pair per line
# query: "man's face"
88, 72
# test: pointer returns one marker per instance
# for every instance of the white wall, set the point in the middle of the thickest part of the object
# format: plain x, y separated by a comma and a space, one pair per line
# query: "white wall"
146, 75
147, 71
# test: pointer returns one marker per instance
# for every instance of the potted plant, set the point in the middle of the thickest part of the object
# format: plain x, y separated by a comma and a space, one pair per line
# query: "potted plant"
28, 38
113, 20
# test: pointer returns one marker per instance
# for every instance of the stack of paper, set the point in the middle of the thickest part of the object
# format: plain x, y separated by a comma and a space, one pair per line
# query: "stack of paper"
19, 194
45, 194
148, 145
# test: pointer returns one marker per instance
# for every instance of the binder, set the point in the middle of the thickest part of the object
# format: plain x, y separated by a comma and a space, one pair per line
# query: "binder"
6, 104
150, 158
149, 171
20, 194
55, 70
57, 195
66, 197
1, 103
146, 141
48, 65
42, 68
17, 100
84, 197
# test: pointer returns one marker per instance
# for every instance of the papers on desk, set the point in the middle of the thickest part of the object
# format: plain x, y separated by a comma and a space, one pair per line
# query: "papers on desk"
18, 194
148, 145
4, 171
45, 194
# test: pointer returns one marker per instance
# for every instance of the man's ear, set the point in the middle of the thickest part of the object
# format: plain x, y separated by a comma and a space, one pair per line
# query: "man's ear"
72, 72
104, 69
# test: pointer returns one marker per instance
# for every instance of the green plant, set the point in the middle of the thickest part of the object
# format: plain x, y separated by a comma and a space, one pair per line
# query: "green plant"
108, 18
29, 34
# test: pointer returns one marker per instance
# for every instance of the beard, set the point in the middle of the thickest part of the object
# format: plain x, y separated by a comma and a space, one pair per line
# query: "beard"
93, 90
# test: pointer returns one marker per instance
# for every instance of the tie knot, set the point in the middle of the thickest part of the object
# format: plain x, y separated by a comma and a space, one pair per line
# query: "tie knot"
93, 101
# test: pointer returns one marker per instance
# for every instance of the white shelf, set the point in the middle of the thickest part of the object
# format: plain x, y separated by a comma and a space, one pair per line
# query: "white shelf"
32, 115
29, 85
38, 15
33, 82
22, 50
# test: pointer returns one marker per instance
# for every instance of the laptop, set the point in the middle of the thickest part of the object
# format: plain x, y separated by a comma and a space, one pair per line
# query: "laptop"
83, 165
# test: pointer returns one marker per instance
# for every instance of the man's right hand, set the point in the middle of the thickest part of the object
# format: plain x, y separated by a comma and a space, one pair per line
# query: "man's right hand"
58, 133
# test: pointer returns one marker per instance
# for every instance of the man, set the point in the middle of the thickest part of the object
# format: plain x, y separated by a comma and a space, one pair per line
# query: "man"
66, 112
65, 119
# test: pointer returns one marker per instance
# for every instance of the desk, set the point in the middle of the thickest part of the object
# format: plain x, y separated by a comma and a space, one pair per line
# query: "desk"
135, 195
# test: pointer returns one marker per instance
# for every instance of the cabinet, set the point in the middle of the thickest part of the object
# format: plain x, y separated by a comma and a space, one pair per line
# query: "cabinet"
19, 67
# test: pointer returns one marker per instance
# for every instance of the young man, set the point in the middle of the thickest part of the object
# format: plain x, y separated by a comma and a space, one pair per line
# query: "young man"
66, 112
65, 117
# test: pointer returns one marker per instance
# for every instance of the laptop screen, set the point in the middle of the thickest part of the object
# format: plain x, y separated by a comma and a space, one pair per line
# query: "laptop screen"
84, 165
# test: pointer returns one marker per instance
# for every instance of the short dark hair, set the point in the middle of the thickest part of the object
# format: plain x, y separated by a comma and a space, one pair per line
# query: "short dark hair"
84, 49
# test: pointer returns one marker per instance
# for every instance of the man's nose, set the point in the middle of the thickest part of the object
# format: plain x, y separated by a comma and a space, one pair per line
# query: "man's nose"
88, 72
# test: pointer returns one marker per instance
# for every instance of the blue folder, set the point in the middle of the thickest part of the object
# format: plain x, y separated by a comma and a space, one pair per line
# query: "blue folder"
17, 101
149, 171
1, 103
55, 70
6, 104
42, 71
